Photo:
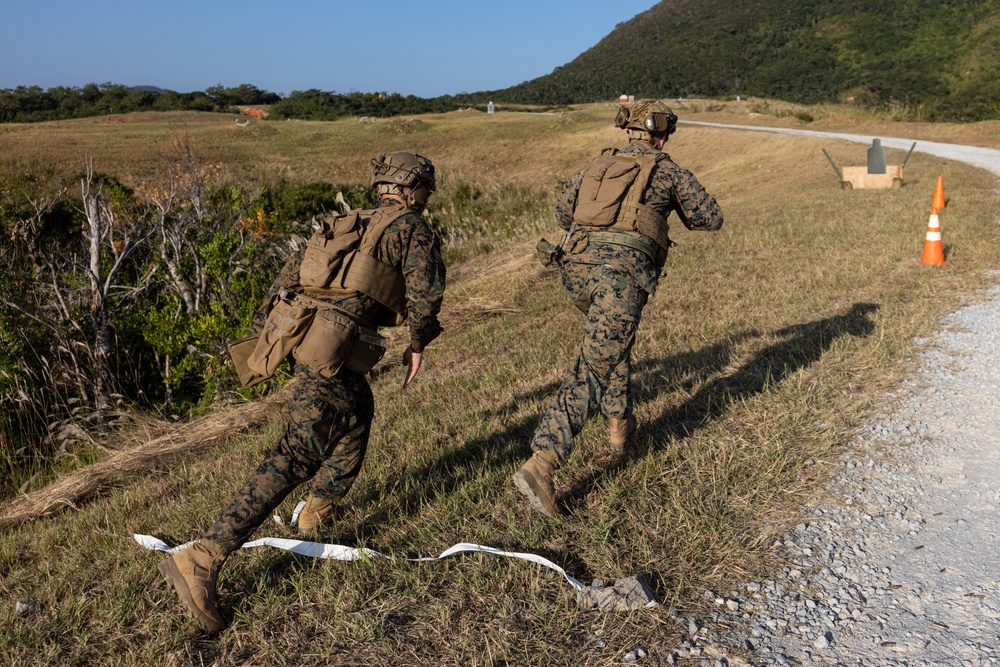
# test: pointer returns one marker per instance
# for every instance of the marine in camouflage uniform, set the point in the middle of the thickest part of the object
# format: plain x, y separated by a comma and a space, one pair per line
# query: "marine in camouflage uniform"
329, 417
610, 281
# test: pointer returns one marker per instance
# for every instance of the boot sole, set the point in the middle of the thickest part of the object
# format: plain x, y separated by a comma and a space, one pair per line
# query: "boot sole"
527, 485
177, 581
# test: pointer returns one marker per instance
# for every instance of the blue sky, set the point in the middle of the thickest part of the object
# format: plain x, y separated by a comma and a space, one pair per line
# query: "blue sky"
424, 48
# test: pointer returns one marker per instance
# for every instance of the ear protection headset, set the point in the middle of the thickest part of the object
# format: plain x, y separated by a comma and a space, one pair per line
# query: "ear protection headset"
656, 123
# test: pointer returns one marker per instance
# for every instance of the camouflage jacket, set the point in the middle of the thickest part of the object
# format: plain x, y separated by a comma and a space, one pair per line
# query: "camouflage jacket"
408, 245
671, 189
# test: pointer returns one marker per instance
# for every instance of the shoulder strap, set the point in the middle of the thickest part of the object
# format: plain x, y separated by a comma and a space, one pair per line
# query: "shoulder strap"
376, 226
647, 161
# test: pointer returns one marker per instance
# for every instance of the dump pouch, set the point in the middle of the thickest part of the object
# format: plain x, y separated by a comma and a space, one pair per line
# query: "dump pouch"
284, 329
334, 340
548, 254
240, 351
367, 351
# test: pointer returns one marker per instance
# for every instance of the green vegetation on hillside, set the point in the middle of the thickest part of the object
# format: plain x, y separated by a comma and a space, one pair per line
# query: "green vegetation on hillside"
941, 58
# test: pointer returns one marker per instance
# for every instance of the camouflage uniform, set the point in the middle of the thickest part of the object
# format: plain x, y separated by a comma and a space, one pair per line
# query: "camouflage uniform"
611, 284
330, 417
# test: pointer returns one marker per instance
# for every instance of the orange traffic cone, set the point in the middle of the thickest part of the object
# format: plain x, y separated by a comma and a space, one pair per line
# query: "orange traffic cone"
939, 195
933, 251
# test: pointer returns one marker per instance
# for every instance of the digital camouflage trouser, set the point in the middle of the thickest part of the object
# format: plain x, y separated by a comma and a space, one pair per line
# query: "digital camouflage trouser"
326, 438
601, 375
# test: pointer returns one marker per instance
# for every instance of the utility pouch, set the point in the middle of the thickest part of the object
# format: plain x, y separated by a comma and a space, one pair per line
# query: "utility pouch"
240, 351
284, 329
336, 341
368, 350
328, 342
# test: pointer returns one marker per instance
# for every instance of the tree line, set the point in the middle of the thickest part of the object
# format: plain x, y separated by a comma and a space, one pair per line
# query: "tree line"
28, 104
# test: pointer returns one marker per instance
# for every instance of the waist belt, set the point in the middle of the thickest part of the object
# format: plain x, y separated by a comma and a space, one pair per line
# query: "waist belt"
647, 248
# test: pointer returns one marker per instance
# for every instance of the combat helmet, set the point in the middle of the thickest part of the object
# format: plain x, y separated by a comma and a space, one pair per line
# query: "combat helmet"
394, 171
646, 117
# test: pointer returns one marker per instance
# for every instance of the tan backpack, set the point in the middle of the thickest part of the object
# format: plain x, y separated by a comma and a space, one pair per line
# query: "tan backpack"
611, 193
339, 260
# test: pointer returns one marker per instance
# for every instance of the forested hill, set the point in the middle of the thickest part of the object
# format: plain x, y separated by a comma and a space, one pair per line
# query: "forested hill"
941, 55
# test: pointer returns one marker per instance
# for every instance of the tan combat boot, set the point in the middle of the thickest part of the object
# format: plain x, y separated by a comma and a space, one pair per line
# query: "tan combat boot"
318, 512
534, 480
192, 573
621, 430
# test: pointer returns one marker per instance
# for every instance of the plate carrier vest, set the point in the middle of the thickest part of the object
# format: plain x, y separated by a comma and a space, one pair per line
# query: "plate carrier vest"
340, 260
611, 197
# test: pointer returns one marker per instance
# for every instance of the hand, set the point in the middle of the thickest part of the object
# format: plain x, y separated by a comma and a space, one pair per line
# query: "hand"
411, 360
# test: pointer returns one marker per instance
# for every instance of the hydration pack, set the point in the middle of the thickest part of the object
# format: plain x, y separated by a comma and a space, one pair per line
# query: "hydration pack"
339, 260
611, 195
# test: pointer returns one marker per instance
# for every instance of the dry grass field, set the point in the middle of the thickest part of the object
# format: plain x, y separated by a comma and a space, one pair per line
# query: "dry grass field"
767, 345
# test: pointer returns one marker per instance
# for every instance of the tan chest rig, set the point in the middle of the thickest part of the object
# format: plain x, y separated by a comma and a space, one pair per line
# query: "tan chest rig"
611, 197
339, 261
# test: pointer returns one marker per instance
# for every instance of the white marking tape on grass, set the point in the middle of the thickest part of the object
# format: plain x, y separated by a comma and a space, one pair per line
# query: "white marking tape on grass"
338, 552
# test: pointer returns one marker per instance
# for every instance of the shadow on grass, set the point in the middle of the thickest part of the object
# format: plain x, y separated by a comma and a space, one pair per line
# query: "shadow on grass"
499, 449
800, 347
445, 474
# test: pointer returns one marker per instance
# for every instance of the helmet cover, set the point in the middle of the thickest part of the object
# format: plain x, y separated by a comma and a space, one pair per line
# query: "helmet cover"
403, 168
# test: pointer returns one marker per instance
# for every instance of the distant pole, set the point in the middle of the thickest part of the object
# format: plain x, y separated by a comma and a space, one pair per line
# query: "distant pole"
832, 164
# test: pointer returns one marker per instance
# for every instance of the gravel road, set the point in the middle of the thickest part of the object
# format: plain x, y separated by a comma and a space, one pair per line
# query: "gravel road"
986, 158
902, 567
